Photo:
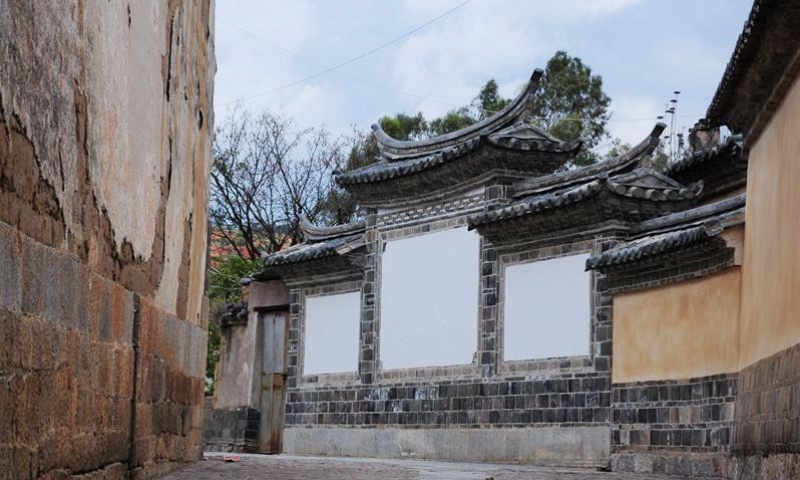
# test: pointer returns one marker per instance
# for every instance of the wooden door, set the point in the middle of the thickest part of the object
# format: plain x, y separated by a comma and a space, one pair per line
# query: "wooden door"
273, 380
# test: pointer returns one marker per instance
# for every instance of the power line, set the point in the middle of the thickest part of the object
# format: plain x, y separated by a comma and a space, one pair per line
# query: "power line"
344, 74
334, 69
356, 58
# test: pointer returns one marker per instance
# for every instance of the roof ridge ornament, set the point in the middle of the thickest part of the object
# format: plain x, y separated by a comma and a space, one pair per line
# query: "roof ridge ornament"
316, 233
519, 110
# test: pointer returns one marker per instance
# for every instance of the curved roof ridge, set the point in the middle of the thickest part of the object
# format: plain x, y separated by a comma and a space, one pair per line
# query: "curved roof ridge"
516, 109
557, 180
316, 233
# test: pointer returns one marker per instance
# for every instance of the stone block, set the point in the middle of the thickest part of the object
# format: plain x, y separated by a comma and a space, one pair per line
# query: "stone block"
10, 274
99, 326
121, 315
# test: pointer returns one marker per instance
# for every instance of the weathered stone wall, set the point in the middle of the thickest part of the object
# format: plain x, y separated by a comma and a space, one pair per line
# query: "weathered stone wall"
105, 127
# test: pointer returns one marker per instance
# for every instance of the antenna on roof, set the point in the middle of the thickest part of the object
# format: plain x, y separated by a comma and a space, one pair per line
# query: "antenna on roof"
675, 139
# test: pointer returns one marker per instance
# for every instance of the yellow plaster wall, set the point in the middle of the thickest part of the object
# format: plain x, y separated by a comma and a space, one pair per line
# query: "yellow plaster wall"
771, 266
684, 330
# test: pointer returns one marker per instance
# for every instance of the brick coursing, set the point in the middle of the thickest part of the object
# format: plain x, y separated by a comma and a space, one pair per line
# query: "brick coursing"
768, 406
563, 399
694, 415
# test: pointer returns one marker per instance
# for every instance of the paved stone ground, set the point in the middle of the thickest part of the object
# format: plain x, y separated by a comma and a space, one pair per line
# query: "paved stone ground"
287, 467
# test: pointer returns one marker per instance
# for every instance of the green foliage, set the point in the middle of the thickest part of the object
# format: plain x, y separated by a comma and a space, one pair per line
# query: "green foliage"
489, 100
405, 127
212, 357
451, 121
571, 105
224, 276
618, 148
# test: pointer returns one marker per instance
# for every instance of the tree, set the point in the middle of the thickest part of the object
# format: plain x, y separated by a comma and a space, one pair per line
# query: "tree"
451, 121
488, 102
571, 105
405, 127
265, 176
618, 148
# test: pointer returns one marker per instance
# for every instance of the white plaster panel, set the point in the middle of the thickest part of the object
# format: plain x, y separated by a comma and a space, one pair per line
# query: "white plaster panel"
429, 300
547, 309
332, 333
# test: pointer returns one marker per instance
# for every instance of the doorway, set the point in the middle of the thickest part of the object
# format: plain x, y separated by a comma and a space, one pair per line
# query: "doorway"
275, 326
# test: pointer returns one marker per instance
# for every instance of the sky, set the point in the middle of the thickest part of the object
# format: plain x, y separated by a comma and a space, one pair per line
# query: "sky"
643, 49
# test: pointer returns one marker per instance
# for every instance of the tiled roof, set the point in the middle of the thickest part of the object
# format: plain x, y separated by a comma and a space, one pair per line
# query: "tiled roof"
379, 171
672, 234
321, 242
640, 184
312, 251
652, 246
508, 131
762, 67
723, 167
591, 172
517, 110
315, 233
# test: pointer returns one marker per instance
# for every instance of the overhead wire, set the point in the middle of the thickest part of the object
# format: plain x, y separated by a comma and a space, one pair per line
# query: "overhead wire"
339, 72
356, 58
335, 69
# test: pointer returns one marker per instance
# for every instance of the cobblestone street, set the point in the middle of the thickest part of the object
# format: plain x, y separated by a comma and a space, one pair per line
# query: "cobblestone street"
286, 467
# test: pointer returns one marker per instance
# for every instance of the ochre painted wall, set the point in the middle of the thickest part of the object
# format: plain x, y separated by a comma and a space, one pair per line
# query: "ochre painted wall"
771, 269
684, 330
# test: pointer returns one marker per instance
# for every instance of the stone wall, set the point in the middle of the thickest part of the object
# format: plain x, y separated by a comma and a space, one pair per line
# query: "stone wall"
677, 427
766, 435
105, 122
548, 411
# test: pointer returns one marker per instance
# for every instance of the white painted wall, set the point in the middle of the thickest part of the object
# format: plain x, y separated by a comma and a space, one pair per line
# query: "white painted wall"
429, 299
547, 309
332, 333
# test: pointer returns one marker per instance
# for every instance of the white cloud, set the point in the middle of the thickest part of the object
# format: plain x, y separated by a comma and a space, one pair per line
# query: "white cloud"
246, 65
453, 58
317, 105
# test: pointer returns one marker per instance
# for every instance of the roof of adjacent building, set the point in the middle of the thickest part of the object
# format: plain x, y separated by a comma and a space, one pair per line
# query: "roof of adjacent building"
624, 162
321, 242
672, 234
618, 189
508, 143
761, 69
722, 167
500, 128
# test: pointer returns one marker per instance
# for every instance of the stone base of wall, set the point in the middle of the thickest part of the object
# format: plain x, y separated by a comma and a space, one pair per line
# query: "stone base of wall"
688, 465
95, 381
758, 467
232, 430
556, 446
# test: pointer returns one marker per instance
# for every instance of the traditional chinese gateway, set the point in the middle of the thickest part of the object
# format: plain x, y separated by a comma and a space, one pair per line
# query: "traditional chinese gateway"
494, 307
